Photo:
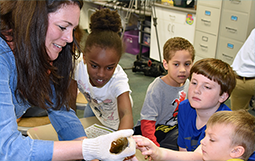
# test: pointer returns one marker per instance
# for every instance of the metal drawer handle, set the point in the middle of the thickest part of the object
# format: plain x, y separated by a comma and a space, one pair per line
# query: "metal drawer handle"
172, 17
235, 1
205, 38
206, 22
204, 47
231, 29
169, 28
173, 28
227, 56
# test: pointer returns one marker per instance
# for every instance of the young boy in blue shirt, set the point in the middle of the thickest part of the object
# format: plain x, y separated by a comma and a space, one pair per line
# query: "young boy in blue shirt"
212, 82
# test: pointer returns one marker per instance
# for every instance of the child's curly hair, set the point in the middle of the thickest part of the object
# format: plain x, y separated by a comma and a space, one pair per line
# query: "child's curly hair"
175, 44
105, 29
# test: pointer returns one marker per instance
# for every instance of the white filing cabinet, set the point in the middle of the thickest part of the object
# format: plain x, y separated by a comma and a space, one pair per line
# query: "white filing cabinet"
237, 22
207, 28
170, 23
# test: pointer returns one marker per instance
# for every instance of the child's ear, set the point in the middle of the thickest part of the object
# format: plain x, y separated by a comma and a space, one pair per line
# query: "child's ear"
165, 64
237, 152
223, 97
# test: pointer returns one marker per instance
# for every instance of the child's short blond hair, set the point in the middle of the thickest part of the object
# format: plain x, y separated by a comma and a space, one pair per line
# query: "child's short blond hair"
243, 132
218, 71
175, 44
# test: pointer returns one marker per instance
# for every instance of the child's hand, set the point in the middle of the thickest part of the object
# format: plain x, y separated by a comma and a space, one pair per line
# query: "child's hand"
147, 147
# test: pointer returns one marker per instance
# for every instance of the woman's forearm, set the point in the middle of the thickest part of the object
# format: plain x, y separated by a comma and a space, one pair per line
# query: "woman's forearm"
67, 150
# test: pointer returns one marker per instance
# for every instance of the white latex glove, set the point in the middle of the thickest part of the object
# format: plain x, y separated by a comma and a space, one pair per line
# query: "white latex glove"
99, 147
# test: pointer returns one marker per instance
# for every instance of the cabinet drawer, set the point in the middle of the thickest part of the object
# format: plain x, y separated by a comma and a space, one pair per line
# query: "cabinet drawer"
205, 44
227, 49
234, 25
208, 19
210, 3
238, 5
170, 15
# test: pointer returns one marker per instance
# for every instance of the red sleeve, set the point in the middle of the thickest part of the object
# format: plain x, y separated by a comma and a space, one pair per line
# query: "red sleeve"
148, 130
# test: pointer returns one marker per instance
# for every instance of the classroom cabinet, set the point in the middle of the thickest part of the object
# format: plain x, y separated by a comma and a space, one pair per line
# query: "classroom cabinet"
237, 21
208, 19
222, 27
205, 44
207, 28
170, 23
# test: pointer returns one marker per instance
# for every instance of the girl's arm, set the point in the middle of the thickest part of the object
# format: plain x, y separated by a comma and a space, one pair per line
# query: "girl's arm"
125, 111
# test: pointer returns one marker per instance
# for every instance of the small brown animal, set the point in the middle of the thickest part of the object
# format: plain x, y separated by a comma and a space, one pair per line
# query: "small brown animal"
119, 145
